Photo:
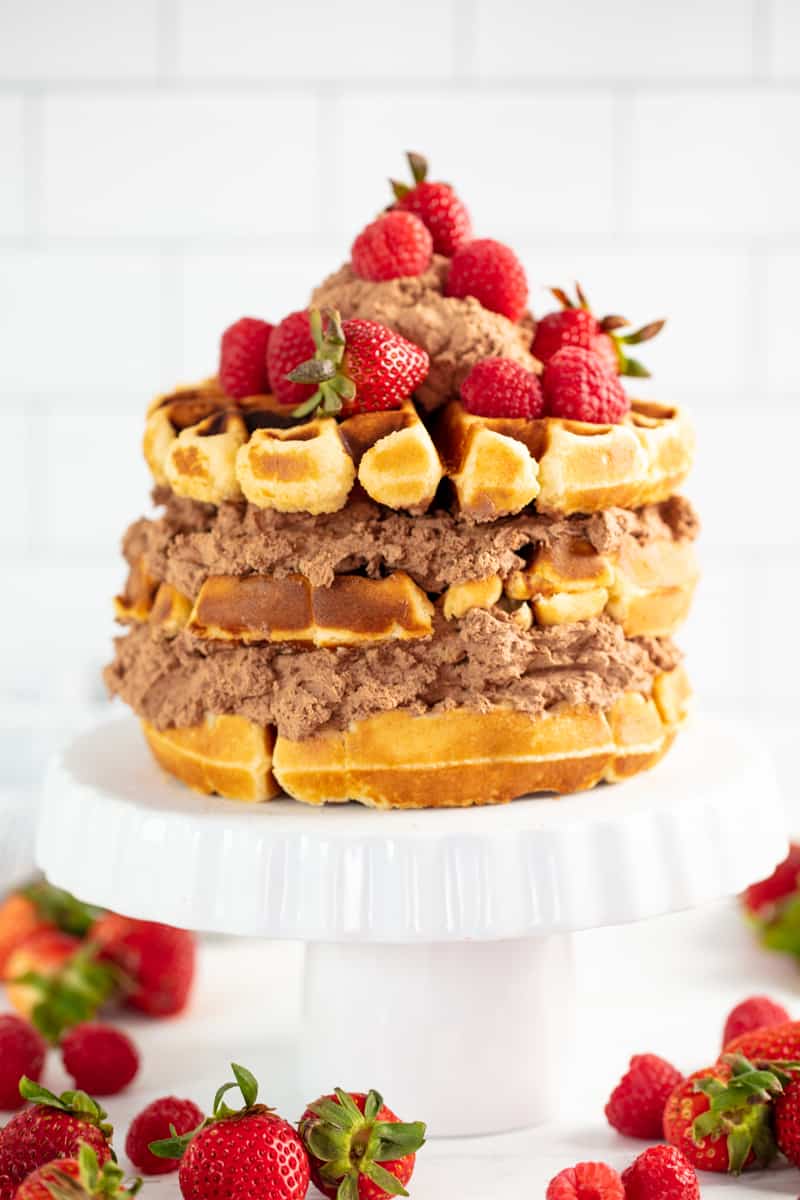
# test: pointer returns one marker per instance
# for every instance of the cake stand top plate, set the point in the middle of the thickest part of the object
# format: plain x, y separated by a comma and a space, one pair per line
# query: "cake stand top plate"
116, 830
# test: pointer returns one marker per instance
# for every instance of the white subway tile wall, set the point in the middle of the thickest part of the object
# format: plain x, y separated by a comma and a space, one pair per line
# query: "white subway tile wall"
169, 165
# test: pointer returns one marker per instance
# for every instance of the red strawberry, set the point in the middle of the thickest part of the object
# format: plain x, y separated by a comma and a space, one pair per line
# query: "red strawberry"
158, 961
101, 1060
36, 908
636, 1105
493, 274
779, 1043
249, 1152
436, 205
54, 1127
243, 358
55, 981
586, 1181
787, 1121
22, 1052
291, 343
19, 919
579, 386
661, 1173
760, 899
576, 325
357, 1146
155, 1123
359, 366
79, 1178
757, 1012
720, 1117
395, 245
500, 387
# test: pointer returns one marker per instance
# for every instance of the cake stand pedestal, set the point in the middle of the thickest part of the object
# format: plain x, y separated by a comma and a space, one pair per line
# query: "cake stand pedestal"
438, 943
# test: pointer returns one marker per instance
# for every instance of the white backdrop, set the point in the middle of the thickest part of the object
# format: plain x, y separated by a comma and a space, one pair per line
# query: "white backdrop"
169, 165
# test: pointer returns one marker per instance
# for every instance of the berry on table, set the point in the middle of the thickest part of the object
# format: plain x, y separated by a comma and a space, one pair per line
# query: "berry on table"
636, 1105
492, 273
156, 1123
757, 1012
436, 205
586, 1181
102, 1060
78, 1178
661, 1173
158, 962
22, 1052
500, 387
395, 245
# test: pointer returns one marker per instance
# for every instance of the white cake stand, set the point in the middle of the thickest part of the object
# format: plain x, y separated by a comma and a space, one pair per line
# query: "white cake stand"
438, 960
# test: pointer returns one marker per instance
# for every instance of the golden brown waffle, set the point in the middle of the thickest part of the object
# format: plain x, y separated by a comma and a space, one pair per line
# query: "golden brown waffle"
440, 760
206, 447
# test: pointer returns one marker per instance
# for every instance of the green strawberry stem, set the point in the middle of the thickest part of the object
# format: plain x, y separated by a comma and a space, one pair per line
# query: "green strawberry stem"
739, 1109
74, 994
106, 1182
419, 171
626, 365
176, 1144
76, 1103
334, 387
61, 908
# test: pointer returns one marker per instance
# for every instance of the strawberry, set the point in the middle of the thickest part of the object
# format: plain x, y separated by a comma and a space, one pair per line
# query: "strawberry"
155, 1123
576, 325
436, 205
762, 899
661, 1173
291, 343
586, 1181
787, 1121
778, 1043
158, 961
636, 1105
38, 907
248, 1152
720, 1117
393, 246
101, 1060
358, 1148
22, 1052
54, 1127
500, 387
757, 1012
55, 981
359, 366
243, 358
492, 273
78, 1178
578, 386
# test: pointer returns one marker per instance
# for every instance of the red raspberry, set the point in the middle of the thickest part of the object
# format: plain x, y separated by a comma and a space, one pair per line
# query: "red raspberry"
243, 358
661, 1173
152, 1125
500, 387
493, 274
291, 344
437, 206
573, 327
783, 881
757, 1012
22, 1052
586, 1181
396, 244
579, 386
101, 1060
636, 1105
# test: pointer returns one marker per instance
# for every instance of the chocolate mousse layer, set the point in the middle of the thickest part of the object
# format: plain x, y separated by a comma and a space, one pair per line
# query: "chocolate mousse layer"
192, 540
479, 662
455, 333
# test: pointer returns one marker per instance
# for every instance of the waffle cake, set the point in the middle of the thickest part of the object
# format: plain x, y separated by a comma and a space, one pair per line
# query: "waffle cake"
415, 604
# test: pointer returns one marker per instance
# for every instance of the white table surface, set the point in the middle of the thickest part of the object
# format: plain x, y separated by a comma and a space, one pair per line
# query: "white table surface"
663, 986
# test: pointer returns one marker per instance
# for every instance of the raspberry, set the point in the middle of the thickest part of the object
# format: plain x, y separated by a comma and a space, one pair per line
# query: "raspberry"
243, 358
152, 1125
661, 1173
500, 387
22, 1052
586, 1181
757, 1012
396, 244
291, 344
579, 386
636, 1105
101, 1060
493, 274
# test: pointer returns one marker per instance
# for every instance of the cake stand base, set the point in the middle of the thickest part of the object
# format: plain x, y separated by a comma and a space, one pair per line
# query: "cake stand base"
470, 1034
438, 955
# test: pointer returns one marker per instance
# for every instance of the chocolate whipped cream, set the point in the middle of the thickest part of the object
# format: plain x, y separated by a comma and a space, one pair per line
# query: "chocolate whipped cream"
455, 333
192, 541
480, 662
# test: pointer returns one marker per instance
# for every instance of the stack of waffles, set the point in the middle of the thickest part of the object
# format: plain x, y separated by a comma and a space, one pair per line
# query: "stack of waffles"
431, 603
